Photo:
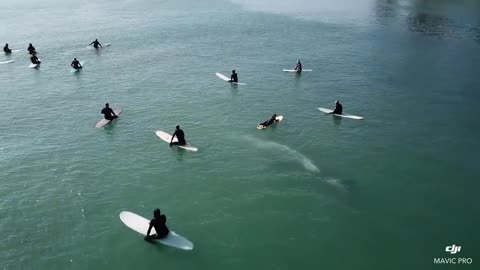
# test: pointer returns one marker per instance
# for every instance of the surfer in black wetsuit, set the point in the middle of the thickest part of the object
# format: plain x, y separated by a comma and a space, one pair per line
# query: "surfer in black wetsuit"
108, 113
270, 121
76, 64
298, 67
34, 59
338, 108
96, 43
180, 137
233, 77
159, 223
6, 49
31, 49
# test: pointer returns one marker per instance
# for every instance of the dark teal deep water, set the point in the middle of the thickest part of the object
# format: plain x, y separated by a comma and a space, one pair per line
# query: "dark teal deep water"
388, 192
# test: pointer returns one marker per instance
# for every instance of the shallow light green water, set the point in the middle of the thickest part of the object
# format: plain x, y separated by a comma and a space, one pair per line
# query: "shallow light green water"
314, 192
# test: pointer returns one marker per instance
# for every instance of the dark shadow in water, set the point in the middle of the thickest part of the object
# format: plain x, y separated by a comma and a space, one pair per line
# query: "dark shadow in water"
337, 120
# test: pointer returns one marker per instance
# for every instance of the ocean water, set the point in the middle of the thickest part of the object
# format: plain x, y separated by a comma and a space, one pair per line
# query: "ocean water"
313, 192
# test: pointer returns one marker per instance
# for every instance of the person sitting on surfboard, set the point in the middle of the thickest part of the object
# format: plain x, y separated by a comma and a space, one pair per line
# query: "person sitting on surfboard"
76, 64
95, 44
180, 137
298, 67
233, 77
159, 223
31, 49
34, 59
270, 121
338, 108
108, 113
6, 49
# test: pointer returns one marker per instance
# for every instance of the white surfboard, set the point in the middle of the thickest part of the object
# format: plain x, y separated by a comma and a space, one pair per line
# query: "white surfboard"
225, 78
104, 121
141, 224
345, 115
32, 65
279, 119
293, 70
7, 62
76, 70
167, 138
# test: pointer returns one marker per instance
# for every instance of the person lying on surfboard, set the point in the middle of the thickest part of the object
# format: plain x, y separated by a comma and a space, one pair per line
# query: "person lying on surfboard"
180, 137
298, 67
233, 77
338, 108
159, 223
108, 113
6, 49
34, 59
31, 49
76, 64
270, 121
95, 44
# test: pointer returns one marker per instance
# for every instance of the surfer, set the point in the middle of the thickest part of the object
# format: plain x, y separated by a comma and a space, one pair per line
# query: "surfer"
34, 59
6, 49
159, 223
76, 64
270, 121
31, 49
233, 77
108, 113
96, 43
180, 137
298, 67
338, 108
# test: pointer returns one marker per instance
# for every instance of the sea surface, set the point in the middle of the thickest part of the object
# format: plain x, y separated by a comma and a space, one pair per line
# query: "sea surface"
312, 192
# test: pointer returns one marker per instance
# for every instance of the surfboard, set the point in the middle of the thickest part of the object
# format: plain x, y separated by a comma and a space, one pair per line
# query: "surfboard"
141, 224
225, 78
32, 65
7, 62
279, 119
104, 121
76, 70
293, 70
167, 138
345, 115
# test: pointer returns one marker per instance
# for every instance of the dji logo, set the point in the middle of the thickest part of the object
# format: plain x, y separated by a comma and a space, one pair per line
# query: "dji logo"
453, 249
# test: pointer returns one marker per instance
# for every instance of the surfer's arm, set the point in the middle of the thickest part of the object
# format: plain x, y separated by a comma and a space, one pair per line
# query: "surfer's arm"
91, 43
149, 229
173, 136
100, 45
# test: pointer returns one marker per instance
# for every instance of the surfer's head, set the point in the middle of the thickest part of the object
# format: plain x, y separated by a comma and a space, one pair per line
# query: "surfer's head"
106, 105
177, 127
156, 213
337, 102
298, 60
233, 71
274, 115
74, 59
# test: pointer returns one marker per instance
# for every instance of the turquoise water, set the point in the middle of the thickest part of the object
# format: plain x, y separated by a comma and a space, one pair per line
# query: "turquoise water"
314, 192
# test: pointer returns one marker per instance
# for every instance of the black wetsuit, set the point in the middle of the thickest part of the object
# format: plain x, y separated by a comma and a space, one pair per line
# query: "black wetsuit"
234, 77
160, 227
76, 64
6, 49
31, 50
34, 60
269, 122
108, 113
95, 44
180, 137
338, 109
298, 68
